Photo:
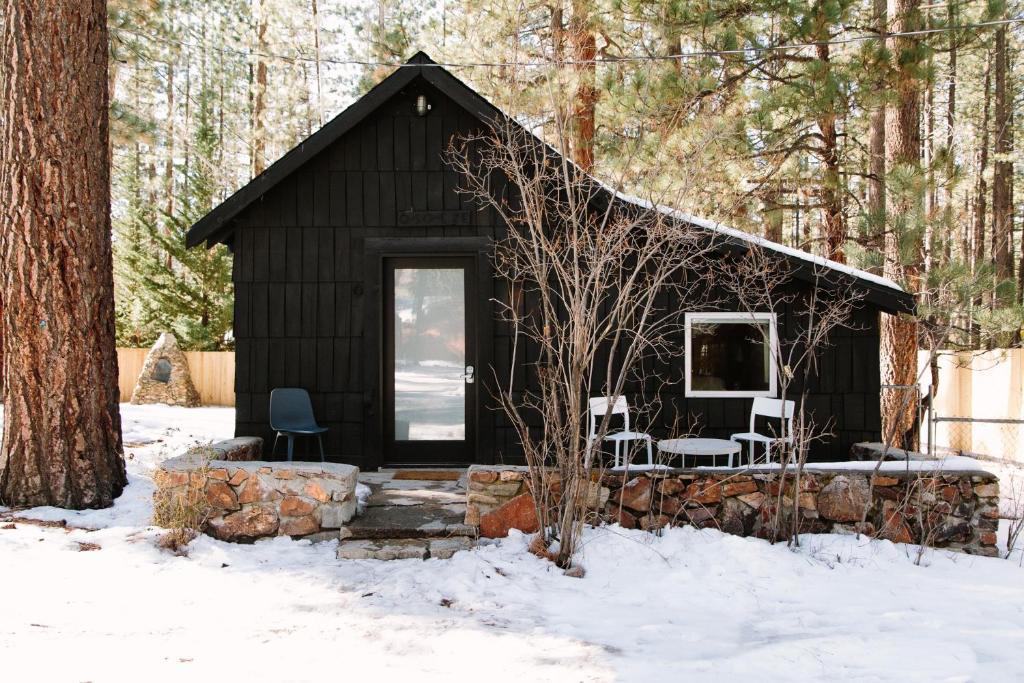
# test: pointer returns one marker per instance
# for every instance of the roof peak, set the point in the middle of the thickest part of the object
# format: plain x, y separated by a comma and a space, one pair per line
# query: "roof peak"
420, 57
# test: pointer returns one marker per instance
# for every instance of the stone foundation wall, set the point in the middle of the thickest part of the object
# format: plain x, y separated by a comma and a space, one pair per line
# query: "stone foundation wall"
955, 510
243, 501
241, 448
490, 487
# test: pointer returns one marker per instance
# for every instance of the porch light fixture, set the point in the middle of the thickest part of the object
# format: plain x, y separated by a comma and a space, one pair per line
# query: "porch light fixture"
422, 105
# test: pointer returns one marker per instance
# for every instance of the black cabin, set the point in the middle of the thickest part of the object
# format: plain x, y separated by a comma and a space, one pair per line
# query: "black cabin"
362, 275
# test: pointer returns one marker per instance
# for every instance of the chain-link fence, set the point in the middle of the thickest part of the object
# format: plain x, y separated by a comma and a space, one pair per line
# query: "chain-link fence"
991, 437
938, 434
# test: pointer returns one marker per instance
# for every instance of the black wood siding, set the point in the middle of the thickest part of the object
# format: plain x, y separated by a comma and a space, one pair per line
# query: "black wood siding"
301, 293
299, 270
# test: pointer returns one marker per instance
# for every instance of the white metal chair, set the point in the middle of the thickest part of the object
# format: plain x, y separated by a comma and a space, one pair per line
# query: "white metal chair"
770, 408
601, 405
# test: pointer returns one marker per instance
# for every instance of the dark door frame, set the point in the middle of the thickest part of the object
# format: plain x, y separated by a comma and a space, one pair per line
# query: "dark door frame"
376, 251
428, 452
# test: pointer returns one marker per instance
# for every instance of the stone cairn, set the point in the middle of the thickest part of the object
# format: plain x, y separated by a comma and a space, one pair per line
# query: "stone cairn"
165, 377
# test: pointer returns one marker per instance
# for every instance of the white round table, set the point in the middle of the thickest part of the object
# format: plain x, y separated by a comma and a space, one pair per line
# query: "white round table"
695, 447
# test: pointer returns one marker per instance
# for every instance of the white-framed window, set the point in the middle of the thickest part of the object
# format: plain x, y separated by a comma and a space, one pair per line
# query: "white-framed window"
731, 355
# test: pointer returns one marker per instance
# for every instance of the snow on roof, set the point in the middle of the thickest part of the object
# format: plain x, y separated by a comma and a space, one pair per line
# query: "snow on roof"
757, 240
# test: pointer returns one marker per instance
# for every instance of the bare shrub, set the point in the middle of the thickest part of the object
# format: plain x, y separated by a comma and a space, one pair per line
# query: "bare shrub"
935, 328
596, 292
1013, 511
762, 282
177, 540
182, 510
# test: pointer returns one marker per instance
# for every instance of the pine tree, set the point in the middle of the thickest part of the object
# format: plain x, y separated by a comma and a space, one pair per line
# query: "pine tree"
790, 143
389, 31
62, 429
899, 333
190, 294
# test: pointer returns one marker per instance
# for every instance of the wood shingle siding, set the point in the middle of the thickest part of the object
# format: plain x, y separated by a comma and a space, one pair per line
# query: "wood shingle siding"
300, 264
309, 236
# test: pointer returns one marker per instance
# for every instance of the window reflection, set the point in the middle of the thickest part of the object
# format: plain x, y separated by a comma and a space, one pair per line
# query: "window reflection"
430, 354
730, 356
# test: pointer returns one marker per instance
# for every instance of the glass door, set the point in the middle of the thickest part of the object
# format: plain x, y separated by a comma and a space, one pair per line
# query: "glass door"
429, 371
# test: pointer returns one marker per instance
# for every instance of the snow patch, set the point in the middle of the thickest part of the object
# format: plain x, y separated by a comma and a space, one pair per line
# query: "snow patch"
362, 496
689, 605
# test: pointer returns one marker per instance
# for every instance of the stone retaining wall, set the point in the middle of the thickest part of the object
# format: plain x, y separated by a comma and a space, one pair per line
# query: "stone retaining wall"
241, 448
242, 501
955, 510
490, 487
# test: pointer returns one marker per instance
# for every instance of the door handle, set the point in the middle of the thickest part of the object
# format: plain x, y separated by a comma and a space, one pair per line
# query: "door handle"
468, 375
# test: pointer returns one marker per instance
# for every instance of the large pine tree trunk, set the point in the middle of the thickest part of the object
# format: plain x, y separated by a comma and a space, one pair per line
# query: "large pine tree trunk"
172, 56
62, 429
1, 350
1002, 210
950, 128
316, 62
876, 145
773, 212
981, 200
902, 249
169, 135
584, 111
833, 222
259, 135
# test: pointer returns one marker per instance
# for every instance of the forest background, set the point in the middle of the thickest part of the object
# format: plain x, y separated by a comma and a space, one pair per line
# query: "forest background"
788, 108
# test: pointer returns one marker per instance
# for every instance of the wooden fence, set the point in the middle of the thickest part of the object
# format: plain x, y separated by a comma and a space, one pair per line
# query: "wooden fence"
213, 373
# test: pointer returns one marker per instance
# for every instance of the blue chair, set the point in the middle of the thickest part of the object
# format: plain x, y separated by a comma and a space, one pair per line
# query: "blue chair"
291, 415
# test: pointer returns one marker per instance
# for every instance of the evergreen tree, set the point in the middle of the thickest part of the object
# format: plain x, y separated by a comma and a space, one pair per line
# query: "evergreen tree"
790, 142
190, 293
388, 31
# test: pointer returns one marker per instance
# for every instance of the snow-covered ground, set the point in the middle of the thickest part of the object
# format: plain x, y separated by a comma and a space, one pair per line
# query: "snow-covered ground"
691, 605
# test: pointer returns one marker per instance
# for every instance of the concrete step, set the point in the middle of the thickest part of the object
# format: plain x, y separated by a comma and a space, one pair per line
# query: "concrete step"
402, 548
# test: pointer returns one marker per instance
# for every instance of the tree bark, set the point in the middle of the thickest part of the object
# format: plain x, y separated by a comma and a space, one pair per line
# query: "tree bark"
773, 213
172, 56
1020, 269
876, 146
583, 45
981, 198
1002, 210
950, 128
316, 58
186, 175
2, 356
930, 199
832, 219
169, 159
902, 248
259, 142
62, 430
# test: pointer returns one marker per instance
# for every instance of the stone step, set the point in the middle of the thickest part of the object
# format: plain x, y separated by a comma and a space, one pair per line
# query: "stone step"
409, 521
402, 548
426, 531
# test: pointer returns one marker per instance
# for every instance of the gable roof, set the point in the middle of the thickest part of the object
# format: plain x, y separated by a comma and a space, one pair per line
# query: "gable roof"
216, 226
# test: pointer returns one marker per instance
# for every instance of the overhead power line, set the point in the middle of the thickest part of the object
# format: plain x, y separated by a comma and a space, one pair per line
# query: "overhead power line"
569, 62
